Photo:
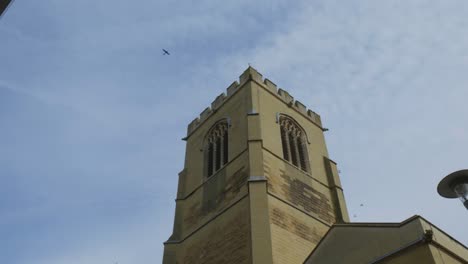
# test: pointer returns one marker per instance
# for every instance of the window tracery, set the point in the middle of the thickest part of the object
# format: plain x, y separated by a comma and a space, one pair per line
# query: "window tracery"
294, 143
216, 147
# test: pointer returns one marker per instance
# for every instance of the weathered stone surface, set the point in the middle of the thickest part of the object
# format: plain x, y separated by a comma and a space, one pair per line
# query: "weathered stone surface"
218, 193
306, 197
225, 243
223, 218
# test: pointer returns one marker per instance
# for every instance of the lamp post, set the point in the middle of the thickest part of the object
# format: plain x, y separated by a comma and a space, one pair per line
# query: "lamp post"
455, 185
3, 6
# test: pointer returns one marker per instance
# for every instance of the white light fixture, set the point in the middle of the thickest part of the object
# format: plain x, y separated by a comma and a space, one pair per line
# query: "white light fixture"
455, 185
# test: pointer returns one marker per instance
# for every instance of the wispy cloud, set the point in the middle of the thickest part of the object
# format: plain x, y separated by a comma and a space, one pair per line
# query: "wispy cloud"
92, 113
390, 81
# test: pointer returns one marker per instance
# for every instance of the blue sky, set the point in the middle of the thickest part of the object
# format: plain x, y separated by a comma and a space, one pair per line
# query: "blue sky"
91, 113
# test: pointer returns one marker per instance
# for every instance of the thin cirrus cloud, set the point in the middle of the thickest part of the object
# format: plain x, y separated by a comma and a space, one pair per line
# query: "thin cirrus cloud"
92, 113
390, 82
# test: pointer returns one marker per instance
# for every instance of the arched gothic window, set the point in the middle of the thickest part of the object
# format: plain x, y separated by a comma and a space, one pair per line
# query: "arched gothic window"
294, 142
216, 147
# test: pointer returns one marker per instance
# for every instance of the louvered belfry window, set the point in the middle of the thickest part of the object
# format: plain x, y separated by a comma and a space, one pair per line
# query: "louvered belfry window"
294, 142
216, 149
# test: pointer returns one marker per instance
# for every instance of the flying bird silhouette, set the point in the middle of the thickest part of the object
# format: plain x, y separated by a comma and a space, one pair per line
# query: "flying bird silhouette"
165, 52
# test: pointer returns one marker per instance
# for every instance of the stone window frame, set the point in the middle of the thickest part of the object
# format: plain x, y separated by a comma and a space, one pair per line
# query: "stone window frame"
216, 147
294, 142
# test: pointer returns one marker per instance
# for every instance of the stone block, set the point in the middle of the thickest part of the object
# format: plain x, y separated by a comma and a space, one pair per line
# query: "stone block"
218, 101
301, 107
285, 96
232, 88
207, 112
270, 85
192, 125
251, 73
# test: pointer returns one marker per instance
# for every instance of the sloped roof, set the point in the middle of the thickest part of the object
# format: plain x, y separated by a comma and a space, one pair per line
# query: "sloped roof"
372, 242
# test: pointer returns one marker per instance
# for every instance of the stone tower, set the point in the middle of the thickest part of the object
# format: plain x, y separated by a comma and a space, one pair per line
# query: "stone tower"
258, 185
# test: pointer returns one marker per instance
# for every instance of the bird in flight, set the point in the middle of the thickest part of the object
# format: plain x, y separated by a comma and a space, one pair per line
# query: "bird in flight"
165, 52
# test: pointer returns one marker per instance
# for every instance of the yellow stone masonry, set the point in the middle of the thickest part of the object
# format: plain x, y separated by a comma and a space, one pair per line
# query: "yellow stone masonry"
276, 197
258, 207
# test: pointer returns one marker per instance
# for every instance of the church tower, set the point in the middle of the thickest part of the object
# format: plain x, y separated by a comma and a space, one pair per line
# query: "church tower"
257, 185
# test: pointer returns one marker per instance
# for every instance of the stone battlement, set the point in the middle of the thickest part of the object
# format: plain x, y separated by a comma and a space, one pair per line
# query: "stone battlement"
252, 74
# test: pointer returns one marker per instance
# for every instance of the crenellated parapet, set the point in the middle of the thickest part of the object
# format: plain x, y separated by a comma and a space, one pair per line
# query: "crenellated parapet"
254, 75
